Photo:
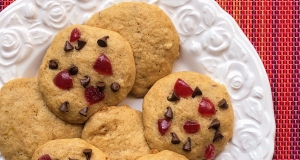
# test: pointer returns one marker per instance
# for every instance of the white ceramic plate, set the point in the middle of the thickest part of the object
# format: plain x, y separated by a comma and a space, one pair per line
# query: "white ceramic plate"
211, 43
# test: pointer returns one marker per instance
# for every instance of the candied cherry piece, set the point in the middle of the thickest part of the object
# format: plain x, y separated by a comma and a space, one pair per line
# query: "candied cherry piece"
45, 157
182, 89
191, 127
63, 80
206, 107
103, 65
75, 35
163, 125
210, 152
93, 95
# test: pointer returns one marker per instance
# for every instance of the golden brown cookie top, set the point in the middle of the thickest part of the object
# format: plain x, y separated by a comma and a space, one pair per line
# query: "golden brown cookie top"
118, 132
163, 155
85, 68
151, 34
68, 149
25, 121
188, 113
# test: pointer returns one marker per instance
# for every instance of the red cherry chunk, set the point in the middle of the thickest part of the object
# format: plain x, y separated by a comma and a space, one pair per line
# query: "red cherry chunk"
206, 107
191, 127
75, 35
103, 65
182, 89
163, 125
93, 95
210, 152
45, 157
63, 80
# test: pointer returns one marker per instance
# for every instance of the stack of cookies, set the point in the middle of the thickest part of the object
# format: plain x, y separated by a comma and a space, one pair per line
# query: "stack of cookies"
70, 110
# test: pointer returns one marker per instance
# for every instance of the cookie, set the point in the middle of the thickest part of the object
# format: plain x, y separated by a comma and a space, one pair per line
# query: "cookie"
188, 113
118, 132
71, 149
25, 121
163, 155
151, 34
85, 69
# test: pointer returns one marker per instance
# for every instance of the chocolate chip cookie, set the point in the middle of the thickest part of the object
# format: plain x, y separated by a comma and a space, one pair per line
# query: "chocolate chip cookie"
85, 68
151, 34
188, 113
71, 149
26, 122
118, 132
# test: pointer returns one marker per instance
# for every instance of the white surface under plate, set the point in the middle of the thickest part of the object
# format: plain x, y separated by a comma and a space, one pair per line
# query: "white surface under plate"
211, 43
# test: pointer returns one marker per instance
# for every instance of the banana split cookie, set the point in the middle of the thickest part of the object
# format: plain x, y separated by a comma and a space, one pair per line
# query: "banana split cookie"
188, 113
151, 34
118, 132
84, 69
68, 149
163, 155
26, 122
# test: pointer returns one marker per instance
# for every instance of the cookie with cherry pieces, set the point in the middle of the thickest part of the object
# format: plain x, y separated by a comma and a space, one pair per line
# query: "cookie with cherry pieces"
84, 69
26, 122
118, 132
71, 149
188, 113
151, 34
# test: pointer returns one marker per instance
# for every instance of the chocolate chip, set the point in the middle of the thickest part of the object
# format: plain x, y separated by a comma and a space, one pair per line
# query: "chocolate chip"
84, 82
169, 113
102, 42
114, 87
81, 44
197, 92
101, 86
68, 46
175, 139
53, 64
223, 104
72, 159
84, 111
87, 153
215, 124
187, 146
174, 97
73, 70
217, 136
64, 107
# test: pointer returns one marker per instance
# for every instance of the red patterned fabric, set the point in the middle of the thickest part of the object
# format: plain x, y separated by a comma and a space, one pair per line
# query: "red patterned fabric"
4, 3
273, 28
